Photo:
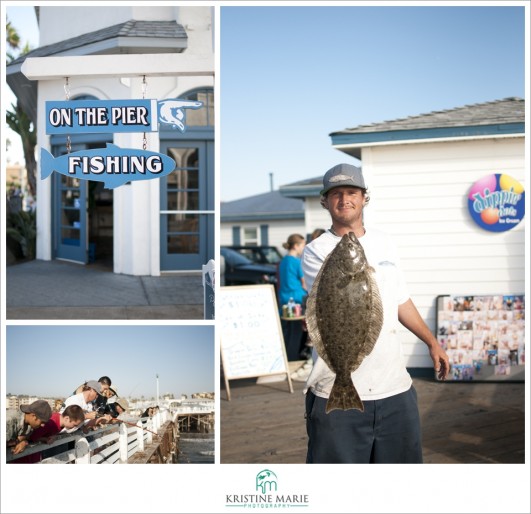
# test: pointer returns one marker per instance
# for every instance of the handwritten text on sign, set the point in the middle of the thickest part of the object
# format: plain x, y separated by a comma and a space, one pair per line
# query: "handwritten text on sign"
135, 115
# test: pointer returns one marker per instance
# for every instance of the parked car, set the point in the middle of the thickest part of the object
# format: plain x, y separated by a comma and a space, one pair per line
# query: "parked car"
239, 270
259, 254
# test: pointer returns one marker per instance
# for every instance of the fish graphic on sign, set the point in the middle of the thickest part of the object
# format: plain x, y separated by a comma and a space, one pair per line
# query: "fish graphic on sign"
114, 166
173, 111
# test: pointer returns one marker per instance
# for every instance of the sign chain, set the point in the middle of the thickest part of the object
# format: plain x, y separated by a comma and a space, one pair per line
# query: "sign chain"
144, 89
67, 96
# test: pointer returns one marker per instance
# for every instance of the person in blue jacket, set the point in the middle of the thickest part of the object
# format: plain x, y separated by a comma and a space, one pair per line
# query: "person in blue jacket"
291, 285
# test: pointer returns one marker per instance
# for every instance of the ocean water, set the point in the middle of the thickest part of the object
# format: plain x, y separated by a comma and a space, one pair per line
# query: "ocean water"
196, 448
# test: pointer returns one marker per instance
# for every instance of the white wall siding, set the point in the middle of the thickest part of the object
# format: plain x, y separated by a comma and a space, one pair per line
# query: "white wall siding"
419, 196
316, 216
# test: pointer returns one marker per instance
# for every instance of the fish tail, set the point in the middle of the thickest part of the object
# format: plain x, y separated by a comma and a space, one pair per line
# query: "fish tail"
47, 163
344, 396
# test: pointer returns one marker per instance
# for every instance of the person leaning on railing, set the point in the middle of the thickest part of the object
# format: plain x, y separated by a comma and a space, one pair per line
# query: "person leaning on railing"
33, 416
69, 421
91, 391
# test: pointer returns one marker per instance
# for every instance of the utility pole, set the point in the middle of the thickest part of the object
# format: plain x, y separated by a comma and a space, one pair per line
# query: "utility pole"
271, 182
157, 388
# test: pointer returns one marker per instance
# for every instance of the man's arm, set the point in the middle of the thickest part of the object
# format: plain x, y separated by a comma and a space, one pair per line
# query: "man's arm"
409, 316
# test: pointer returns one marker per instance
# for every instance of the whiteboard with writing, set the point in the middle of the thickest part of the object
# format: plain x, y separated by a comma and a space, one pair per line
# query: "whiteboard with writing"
252, 344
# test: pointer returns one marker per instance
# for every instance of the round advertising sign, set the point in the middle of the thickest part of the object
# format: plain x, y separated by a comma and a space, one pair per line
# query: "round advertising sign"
497, 202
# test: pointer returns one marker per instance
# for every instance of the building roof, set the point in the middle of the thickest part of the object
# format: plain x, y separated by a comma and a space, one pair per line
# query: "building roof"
303, 188
129, 29
133, 36
495, 118
265, 206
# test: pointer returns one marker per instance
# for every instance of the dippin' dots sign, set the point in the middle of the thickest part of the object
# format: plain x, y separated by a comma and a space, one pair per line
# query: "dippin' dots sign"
497, 202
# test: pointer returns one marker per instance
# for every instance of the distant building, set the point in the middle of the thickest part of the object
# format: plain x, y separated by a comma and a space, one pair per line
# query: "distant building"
15, 401
264, 219
200, 396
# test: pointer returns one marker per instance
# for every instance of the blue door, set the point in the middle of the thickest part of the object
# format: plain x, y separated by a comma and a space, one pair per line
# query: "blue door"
70, 214
187, 206
71, 204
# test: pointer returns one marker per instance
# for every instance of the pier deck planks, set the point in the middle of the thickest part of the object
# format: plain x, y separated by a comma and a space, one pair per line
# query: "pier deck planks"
461, 422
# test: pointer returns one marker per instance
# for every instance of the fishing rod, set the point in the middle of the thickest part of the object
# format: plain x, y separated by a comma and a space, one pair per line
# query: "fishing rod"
133, 425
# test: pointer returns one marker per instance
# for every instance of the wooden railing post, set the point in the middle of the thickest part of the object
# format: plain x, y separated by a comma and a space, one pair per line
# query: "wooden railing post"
140, 436
122, 441
149, 426
82, 451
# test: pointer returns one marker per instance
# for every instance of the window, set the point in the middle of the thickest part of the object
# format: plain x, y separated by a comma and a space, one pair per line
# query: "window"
203, 117
250, 236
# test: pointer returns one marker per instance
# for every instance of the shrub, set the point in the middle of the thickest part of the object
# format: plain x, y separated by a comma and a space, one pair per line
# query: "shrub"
22, 228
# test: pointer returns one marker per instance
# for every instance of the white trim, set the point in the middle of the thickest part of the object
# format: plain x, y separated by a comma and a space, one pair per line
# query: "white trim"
94, 66
427, 140
188, 212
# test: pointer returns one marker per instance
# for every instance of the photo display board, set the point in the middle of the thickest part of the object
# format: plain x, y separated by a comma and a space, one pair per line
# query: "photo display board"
483, 336
252, 344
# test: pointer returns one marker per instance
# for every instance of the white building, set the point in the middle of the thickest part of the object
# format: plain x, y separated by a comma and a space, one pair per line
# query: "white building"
419, 171
144, 227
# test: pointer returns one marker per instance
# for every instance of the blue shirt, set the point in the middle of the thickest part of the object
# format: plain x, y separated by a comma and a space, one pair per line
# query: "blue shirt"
290, 275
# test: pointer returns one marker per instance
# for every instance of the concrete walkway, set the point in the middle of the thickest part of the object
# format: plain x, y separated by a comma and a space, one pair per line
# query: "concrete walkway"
62, 290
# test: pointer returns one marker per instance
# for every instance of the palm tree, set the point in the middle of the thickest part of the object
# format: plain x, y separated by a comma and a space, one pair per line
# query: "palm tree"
18, 120
12, 40
20, 123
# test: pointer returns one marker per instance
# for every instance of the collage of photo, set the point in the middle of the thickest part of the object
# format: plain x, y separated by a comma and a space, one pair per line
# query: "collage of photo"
224, 244
483, 336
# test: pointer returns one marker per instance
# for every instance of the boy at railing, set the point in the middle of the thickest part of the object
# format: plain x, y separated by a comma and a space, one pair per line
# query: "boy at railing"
67, 421
34, 416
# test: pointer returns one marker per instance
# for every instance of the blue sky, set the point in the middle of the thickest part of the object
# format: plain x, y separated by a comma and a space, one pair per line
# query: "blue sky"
51, 360
292, 75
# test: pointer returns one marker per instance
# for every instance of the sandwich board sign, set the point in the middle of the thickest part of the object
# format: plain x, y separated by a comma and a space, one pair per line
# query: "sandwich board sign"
252, 344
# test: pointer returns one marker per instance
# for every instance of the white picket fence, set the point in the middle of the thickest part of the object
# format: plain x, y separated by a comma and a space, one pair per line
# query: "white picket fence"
111, 444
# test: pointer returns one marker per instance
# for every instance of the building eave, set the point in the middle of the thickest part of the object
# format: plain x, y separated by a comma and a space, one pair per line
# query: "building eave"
261, 216
298, 191
354, 149
393, 136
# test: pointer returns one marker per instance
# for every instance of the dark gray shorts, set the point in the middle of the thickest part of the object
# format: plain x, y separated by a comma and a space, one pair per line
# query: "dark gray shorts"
387, 432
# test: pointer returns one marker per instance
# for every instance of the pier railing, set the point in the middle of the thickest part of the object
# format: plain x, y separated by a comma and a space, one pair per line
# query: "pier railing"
120, 443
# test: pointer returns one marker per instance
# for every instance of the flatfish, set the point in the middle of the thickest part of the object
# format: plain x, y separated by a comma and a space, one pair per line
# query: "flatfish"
344, 316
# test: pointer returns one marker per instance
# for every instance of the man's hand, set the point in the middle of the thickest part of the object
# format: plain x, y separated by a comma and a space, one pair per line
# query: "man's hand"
20, 447
441, 363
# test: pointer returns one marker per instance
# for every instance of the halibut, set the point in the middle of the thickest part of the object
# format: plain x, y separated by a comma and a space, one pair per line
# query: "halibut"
344, 316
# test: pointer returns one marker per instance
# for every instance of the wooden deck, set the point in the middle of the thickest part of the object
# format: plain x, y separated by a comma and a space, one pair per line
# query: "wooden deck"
461, 422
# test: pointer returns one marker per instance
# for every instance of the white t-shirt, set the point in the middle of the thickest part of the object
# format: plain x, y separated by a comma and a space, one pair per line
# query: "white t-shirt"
77, 399
382, 373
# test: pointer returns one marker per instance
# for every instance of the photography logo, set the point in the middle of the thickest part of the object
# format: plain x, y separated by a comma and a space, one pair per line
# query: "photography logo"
266, 494
266, 481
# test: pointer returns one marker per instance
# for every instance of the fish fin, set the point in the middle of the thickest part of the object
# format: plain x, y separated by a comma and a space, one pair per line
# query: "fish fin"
47, 163
312, 315
375, 319
344, 396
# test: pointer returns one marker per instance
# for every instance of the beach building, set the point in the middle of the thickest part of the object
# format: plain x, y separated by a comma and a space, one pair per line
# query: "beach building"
120, 53
421, 172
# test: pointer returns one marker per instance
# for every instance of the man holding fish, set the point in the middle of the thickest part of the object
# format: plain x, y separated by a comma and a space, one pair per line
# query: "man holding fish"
361, 406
